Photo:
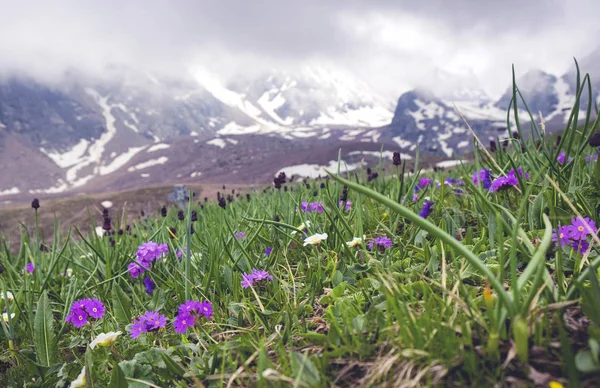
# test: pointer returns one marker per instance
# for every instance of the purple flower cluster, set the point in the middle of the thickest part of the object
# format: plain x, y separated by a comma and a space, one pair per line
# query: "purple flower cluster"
380, 243
268, 251
150, 321
483, 176
149, 284
575, 234
189, 312
30, 267
249, 280
83, 309
307, 207
239, 235
180, 253
508, 181
426, 211
561, 158
590, 157
423, 183
348, 205
146, 254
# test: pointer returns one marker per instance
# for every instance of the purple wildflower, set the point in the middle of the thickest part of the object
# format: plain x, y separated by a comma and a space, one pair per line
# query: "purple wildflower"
502, 183
520, 170
561, 157
423, 183
483, 176
77, 317
149, 284
179, 253
562, 235
30, 267
153, 321
189, 307
268, 251
304, 207
579, 228
247, 280
348, 205
182, 322
94, 308
149, 321
426, 211
135, 270
415, 197
589, 158
580, 246
381, 243
205, 308
239, 235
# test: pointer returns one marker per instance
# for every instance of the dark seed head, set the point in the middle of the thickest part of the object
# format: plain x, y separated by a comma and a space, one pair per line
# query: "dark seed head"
344, 195
43, 248
248, 197
111, 242
396, 160
1, 269
106, 226
194, 216
180, 215
222, 202
172, 231
104, 212
595, 140
120, 232
493, 146
205, 199
322, 185
142, 213
163, 211
559, 138
35, 203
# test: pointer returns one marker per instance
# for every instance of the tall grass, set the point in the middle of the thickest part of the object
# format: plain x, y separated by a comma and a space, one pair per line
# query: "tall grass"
477, 293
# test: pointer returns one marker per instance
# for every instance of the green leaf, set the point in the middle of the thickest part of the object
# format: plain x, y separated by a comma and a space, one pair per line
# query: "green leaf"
117, 378
585, 362
304, 370
172, 366
46, 346
121, 305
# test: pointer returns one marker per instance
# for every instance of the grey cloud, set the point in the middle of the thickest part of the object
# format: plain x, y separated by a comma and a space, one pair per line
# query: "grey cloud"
44, 38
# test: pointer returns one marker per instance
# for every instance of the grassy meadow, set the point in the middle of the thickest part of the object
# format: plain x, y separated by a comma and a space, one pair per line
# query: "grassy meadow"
481, 275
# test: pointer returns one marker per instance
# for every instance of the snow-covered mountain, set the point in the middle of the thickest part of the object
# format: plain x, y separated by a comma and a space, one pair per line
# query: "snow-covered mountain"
128, 128
433, 122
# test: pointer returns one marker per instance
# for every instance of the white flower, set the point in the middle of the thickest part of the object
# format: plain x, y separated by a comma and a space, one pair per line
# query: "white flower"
315, 239
304, 225
9, 295
105, 339
80, 380
355, 241
69, 272
5, 316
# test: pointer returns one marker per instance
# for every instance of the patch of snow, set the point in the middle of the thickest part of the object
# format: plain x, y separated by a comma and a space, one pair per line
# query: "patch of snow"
385, 154
272, 100
233, 128
74, 156
401, 142
194, 133
145, 175
232, 141
119, 161
195, 174
106, 204
366, 116
463, 144
325, 136
149, 163
445, 149
61, 186
303, 134
374, 134
315, 170
450, 163
156, 147
217, 142
14, 190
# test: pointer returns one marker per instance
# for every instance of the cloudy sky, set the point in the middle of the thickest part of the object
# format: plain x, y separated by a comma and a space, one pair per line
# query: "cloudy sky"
393, 45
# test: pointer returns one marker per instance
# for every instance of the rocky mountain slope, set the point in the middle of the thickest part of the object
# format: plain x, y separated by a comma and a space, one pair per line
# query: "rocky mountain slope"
127, 128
